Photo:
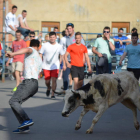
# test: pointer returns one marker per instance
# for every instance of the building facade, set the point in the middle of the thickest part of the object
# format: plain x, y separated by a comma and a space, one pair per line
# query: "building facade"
88, 16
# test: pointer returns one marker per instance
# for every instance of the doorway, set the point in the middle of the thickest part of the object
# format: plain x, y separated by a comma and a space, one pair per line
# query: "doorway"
117, 25
49, 26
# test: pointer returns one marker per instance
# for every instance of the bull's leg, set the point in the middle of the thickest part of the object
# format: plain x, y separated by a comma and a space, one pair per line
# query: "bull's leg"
102, 109
78, 124
128, 103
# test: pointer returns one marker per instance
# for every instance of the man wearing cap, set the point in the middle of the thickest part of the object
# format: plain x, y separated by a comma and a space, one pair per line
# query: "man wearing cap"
69, 41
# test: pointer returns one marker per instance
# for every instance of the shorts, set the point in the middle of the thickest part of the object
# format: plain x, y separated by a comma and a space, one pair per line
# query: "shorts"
17, 66
50, 73
135, 71
77, 72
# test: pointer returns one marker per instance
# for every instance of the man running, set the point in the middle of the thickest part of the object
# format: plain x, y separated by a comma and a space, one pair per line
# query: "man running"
77, 52
50, 52
18, 60
28, 87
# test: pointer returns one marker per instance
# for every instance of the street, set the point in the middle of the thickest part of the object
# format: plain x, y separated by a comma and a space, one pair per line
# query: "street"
115, 124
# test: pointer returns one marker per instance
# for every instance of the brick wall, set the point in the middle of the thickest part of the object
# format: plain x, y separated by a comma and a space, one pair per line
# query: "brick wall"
1, 17
8, 6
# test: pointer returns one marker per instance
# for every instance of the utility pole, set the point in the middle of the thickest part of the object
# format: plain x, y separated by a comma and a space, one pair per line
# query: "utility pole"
3, 40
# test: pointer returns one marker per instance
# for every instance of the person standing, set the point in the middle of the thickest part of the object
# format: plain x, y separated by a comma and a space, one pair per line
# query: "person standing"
18, 60
10, 21
50, 52
32, 36
120, 44
58, 38
28, 87
22, 24
77, 52
69, 41
101, 48
133, 53
63, 43
134, 30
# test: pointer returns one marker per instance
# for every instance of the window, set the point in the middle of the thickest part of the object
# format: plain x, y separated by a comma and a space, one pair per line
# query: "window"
49, 26
117, 25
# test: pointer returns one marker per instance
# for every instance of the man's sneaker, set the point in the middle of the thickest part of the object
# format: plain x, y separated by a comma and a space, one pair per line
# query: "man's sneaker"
24, 130
61, 95
47, 93
14, 89
52, 97
70, 86
62, 87
26, 123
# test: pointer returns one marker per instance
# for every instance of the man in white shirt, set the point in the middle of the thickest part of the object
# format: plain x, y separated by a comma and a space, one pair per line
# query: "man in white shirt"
22, 24
50, 52
10, 21
28, 87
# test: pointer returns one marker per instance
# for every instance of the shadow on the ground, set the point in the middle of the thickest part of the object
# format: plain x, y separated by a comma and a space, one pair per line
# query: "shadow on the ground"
115, 124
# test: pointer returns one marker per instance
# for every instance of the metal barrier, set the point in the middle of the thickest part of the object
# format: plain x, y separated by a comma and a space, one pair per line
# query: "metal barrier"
87, 41
4, 48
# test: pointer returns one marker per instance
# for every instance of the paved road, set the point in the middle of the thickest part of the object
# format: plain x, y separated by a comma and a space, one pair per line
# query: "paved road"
115, 124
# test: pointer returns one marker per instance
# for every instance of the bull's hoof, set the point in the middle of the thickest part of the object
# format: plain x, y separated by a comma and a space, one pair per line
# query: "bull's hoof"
77, 127
137, 126
89, 131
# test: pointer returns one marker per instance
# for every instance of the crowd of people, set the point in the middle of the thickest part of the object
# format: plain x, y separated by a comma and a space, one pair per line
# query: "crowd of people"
69, 54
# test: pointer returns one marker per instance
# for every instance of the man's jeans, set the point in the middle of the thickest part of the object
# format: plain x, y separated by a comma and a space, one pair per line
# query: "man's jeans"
24, 31
66, 78
118, 67
12, 32
25, 90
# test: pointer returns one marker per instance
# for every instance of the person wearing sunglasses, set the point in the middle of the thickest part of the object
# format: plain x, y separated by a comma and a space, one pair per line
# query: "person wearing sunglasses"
32, 36
102, 48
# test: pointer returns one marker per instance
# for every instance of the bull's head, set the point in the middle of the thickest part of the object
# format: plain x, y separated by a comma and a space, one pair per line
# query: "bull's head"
73, 99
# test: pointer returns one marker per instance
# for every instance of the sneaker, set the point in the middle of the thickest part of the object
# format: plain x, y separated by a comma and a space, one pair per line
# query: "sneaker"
61, 95
24, 130
62, 87
14, 89
52, 97
59, 92
26, 123
70, 86
47, 93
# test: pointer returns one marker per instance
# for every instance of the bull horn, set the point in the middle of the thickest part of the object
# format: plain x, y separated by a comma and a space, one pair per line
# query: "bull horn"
75, 91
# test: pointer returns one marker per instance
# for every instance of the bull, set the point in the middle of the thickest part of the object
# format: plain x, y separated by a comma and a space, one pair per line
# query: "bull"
102, 92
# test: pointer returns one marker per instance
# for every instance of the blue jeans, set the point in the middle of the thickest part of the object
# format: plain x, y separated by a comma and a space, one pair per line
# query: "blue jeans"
66, 78
118, 67
109, 68
24, 32
24, 91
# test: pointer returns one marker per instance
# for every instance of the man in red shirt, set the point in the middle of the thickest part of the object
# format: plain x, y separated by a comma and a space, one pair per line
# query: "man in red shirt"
18, 60
77, 52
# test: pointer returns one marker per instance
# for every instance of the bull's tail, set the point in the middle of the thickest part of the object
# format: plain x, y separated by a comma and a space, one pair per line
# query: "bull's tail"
137, 103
